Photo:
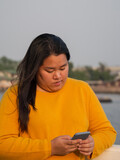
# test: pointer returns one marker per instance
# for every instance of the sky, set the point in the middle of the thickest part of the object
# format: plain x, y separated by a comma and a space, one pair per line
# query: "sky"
90, 28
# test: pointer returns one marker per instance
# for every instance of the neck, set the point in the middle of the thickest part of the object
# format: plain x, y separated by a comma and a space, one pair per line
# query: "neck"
42, 89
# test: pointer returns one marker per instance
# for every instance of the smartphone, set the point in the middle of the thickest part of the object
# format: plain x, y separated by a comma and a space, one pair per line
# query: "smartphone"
81, 135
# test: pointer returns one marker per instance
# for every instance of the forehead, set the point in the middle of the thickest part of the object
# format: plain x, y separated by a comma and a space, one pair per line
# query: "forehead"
55, 60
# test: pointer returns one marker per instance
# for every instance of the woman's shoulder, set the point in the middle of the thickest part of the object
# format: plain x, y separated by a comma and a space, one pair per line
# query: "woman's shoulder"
12, 90
10, 93
8, 103
79, 86
77, 83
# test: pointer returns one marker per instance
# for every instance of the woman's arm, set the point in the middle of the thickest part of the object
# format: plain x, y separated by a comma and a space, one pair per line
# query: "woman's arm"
103, 133
12, 146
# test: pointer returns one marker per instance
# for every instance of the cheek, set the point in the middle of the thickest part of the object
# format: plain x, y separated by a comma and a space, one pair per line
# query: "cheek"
47, 77
65, 73
42, 77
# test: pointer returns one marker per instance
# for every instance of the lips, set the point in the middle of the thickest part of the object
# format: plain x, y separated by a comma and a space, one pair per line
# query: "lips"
57, 83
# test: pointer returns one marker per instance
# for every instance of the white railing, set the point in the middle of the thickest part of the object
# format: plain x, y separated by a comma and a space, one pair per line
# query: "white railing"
112, 153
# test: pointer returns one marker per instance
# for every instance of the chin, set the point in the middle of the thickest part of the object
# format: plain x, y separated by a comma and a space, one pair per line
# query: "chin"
56, 89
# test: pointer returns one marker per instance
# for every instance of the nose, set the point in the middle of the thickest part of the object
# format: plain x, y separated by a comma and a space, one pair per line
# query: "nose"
57, 75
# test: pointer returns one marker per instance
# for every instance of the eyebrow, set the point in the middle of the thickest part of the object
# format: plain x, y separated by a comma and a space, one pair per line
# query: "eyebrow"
54, 68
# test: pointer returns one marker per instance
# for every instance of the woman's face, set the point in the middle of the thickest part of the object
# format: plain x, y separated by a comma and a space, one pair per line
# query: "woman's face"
52, 75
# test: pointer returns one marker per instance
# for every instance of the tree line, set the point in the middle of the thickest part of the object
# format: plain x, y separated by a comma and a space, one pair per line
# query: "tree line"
88, 73
8, 65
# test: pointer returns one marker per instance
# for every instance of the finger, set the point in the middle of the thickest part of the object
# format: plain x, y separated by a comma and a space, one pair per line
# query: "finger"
72, 146
66, 137
72, 150
88, 140
87, 145
85, 149
73, 142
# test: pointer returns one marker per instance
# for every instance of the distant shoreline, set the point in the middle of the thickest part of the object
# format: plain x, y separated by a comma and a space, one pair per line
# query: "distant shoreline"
103, 89
5, 84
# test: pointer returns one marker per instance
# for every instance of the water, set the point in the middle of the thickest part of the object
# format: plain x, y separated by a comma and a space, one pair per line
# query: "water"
112, 111
1, 95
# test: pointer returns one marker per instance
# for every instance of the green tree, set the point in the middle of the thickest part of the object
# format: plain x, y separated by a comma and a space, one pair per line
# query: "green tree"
81, 75
8, 65
104, 73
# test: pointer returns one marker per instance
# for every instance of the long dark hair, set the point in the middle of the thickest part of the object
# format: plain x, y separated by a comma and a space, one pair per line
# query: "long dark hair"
41, 47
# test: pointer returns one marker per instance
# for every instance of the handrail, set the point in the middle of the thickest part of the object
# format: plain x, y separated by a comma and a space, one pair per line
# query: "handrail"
112, 153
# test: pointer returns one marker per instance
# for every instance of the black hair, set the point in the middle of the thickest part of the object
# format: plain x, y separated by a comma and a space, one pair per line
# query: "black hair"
41, 47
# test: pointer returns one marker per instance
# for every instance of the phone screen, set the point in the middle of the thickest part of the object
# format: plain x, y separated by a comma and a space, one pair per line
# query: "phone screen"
81, 135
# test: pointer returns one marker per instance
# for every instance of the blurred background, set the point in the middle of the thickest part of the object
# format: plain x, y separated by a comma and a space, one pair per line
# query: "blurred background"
91, 30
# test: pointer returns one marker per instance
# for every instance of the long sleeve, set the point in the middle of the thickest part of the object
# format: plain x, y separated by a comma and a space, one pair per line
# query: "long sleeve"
75, 108
13, 146
101, 129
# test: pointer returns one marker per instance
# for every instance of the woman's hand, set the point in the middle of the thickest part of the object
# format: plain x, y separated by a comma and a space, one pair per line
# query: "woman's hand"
86, 146
63, 145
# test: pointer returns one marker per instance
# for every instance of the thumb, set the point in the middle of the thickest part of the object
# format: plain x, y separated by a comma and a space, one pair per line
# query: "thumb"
67, 137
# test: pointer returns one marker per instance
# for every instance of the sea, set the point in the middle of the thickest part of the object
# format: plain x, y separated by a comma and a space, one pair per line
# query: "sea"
112, 110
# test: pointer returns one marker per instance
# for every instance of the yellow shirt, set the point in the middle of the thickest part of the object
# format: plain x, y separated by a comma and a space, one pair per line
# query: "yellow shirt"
74, 108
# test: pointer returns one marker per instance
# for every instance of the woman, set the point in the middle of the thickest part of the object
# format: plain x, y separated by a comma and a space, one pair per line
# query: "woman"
40, 114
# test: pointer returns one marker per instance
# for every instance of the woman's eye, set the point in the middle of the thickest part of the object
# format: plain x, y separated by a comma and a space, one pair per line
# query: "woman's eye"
62, 69
49, 71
